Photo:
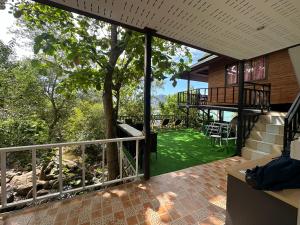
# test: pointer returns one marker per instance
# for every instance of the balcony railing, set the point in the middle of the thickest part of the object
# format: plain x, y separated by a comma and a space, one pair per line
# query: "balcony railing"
256, 96
291, 125
125, 164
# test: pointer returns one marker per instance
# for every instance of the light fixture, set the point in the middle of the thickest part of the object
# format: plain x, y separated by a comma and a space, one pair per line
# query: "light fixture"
260, 28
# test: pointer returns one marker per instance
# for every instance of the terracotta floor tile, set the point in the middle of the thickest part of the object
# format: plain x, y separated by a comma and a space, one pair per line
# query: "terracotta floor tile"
195, 195
132, 220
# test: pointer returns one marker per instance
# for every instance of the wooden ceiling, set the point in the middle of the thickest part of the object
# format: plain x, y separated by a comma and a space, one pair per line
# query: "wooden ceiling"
240, 29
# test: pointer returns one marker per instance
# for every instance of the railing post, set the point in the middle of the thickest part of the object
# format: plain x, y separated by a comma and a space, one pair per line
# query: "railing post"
233, 94
269, 98
240, 123
121, 160
60, 177
225, 90
254, 102
83, 164
3, 180
103, 164
137, 158
34, 186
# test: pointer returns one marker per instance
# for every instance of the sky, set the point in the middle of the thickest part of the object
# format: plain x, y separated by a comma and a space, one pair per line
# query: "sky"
7, 21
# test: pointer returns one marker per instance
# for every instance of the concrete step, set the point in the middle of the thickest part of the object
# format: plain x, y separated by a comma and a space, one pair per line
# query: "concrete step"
275, 129
270, 119
263, 146
275, 113
266, 137
268, 128
252, 154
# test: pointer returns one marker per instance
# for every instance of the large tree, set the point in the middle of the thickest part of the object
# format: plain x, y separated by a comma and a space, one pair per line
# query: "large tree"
97, 55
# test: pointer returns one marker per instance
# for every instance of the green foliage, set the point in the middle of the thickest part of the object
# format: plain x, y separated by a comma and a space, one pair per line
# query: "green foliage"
170, 107
83, 47
132, 101
23, 131
6, 53
85, 122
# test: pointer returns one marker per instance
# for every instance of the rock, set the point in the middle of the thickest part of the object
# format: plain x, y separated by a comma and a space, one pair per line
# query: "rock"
55, 184
42, 192
9, 194
43, 174
51, 177
49, 167
10, 174
69, 164
95, 180
54, 171
47, 185
38, 193
23, 184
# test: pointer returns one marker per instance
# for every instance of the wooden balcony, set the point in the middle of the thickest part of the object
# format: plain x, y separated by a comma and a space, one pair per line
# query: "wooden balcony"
256, 96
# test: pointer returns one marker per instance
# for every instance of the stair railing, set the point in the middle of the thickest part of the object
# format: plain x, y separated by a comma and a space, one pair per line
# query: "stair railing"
291, 125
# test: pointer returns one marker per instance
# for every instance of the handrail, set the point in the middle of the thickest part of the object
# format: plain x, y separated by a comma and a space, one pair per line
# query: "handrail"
291, 124
47, 146
59, 147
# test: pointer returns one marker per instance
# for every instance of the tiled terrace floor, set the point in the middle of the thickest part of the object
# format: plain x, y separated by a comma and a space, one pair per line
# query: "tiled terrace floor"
195, 195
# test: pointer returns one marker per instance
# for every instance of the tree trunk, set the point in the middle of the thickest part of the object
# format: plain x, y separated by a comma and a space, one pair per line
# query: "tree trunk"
110, 132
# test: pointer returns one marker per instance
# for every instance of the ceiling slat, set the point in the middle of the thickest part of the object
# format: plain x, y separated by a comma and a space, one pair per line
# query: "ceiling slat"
240, 29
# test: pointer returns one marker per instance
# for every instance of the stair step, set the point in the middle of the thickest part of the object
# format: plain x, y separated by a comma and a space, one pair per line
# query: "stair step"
275, 129
267, 137
275, 113
252, 154
268, 128
270, 119
263, 146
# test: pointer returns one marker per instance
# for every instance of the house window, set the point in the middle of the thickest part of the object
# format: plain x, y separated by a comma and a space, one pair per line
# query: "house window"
231, 74
258, 69
254, 70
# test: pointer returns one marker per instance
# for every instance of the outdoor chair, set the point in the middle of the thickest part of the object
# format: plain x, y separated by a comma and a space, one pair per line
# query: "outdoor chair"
215, 133
225, 131
177, 122
211, 128
202, 99
165, 123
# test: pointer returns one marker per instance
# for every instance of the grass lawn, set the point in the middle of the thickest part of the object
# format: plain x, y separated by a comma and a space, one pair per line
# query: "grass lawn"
179, 149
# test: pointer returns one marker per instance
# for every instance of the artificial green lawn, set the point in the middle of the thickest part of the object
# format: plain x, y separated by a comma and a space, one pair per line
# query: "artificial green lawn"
185, 148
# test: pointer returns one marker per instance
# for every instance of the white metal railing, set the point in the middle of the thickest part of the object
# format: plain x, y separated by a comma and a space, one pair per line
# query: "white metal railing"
34, 148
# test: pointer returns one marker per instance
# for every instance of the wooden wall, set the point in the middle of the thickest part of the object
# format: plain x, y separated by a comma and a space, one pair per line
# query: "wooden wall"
280, 73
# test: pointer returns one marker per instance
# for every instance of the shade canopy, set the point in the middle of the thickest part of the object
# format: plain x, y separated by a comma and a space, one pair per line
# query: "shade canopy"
240, 29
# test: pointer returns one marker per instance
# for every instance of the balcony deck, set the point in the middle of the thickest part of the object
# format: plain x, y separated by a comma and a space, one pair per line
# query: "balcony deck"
196, 195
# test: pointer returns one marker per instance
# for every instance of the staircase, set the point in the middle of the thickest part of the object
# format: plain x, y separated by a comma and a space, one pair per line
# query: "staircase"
266, 137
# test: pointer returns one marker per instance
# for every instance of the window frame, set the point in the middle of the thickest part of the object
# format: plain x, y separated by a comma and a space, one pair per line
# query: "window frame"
265, 58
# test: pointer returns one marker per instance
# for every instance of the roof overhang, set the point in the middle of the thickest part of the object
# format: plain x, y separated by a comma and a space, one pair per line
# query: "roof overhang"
200, 70
240, 29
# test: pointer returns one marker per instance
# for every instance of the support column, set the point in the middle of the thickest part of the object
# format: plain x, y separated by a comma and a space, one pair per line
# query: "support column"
220, 116
147, 101
240, 128
188, 102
